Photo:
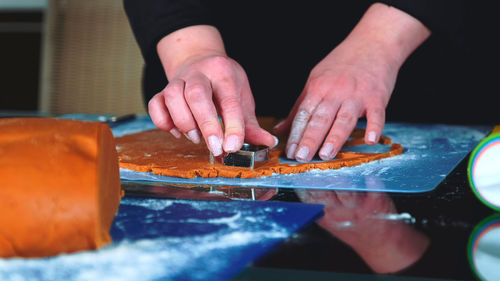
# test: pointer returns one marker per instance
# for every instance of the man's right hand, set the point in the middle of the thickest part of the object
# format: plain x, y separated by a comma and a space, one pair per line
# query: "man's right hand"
204, 84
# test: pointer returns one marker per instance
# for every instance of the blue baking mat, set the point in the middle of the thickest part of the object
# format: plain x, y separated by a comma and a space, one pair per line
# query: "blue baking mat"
432, 151
161, 239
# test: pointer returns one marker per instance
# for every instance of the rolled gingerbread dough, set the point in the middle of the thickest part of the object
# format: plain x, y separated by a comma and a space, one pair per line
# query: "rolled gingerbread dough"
160, 153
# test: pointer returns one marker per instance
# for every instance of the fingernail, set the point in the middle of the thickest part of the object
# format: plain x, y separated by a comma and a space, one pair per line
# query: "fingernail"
290, 153
215, 144
302, 154
232, 143
175, 132
194, 135
326, 152
276, 142
372, 136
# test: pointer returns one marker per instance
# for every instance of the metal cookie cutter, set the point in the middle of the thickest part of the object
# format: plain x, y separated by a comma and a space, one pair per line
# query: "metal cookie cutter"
249, 156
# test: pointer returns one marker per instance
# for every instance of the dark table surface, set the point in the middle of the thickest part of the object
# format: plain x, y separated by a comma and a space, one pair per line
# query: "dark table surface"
425, 237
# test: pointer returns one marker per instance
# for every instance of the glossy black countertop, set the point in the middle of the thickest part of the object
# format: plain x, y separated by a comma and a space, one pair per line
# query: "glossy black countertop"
363, 235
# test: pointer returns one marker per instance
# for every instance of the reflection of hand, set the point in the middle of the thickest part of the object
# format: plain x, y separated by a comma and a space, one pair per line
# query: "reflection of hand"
203, 82
356, 79
353, 217
364, 221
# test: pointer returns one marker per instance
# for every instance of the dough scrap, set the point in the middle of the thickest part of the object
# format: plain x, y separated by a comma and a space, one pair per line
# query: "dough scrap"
160, 153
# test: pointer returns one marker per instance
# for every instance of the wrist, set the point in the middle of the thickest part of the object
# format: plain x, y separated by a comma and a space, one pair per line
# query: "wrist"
389, 32
187, 45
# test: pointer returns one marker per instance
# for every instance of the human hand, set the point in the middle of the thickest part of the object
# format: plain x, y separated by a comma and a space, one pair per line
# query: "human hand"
203, 83
357, 218
356, 79
370, 224
340, 89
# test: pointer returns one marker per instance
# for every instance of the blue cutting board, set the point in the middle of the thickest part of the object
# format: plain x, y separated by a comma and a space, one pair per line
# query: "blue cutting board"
161, 239
431, 152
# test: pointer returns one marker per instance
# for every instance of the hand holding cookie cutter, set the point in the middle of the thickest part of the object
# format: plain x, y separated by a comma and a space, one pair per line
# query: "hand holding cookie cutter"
248, 156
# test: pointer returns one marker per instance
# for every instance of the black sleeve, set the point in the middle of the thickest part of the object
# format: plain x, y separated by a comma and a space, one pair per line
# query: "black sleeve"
444, 17
151, 20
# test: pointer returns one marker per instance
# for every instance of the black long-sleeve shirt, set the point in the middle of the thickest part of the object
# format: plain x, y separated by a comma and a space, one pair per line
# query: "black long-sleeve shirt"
279, 42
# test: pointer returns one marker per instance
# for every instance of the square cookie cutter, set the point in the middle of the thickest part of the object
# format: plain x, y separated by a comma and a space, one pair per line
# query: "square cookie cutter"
249, 156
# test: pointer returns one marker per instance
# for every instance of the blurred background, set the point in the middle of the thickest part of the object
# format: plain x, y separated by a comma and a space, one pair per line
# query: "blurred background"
73, 56
68, 57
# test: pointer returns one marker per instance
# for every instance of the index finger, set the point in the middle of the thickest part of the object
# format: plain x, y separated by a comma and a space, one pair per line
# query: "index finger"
227, 94
198, 94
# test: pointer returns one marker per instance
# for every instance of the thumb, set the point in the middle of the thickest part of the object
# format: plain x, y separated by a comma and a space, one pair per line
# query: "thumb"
254, 134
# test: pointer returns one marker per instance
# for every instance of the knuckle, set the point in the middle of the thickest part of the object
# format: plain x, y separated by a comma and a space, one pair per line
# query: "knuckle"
335, 138
230, 101
310, 103
319, 86
153, 102
170, 92
309, 140
352, 106
316, 124
331, 137
377, 112
345, 117
208, 125
176, 85
222, 62
223, 67
381, 89
320, 119
182, 123
196, 92
234, 129
162, 123
302, 116
375, 124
